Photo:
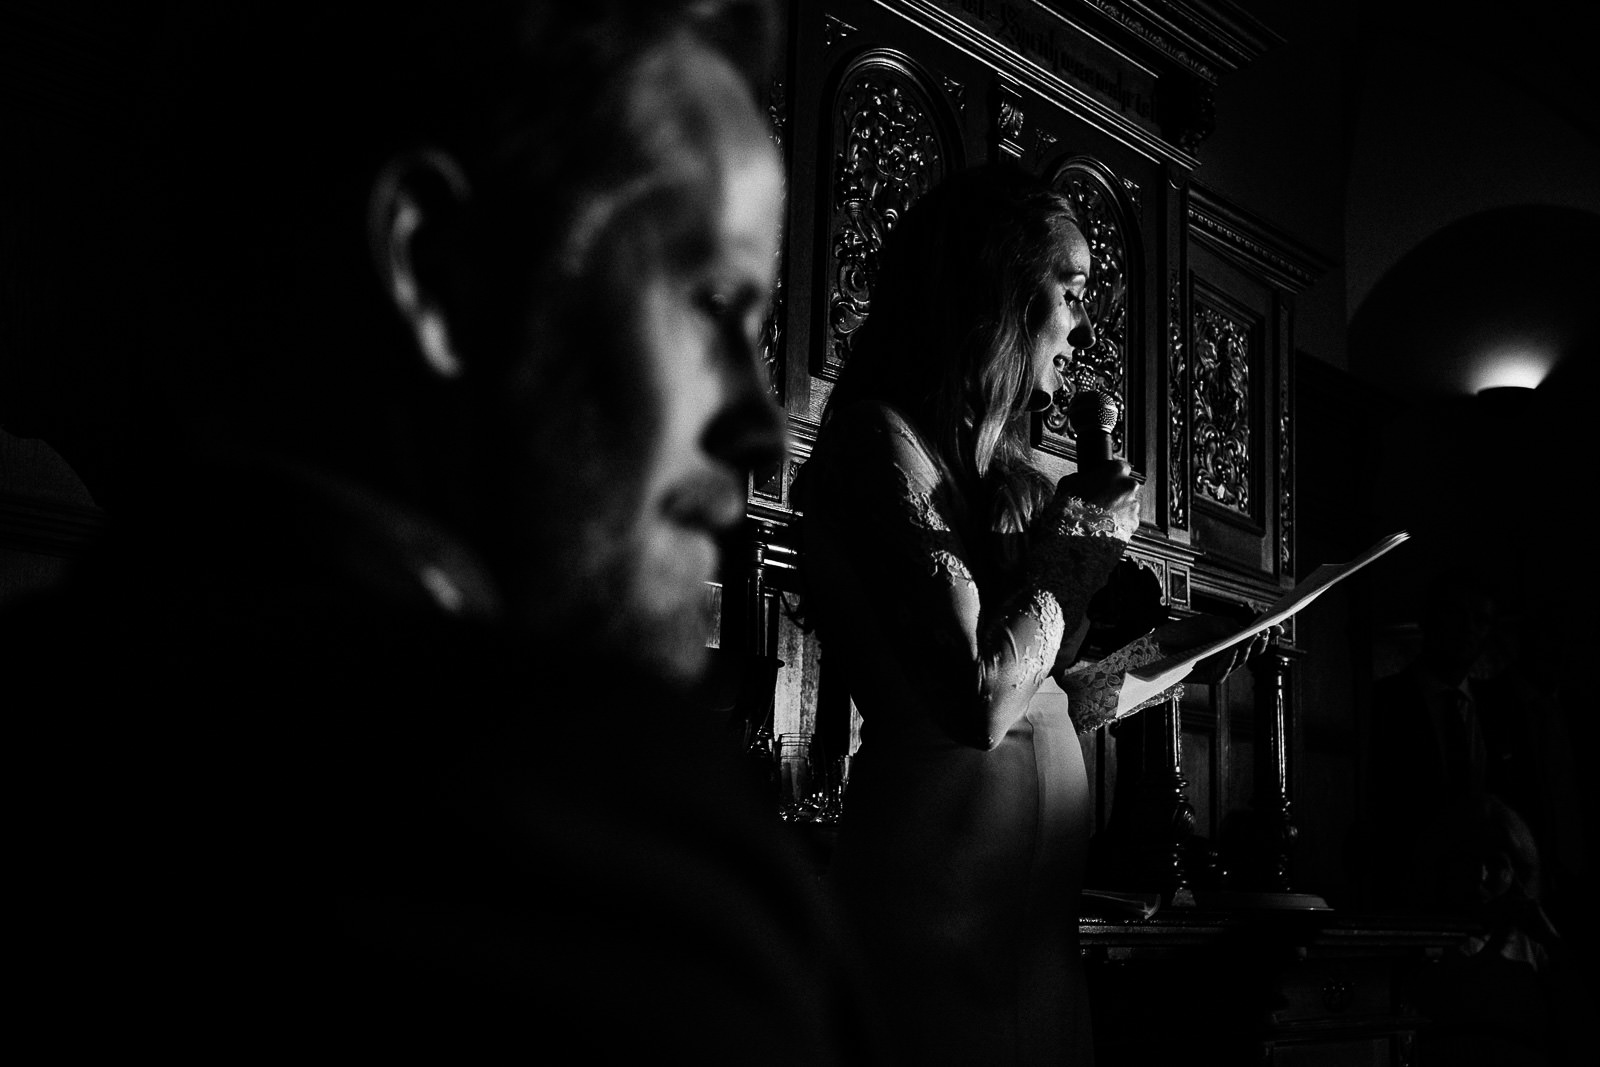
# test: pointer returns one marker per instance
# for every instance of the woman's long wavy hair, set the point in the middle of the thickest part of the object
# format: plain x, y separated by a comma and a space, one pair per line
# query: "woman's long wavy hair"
966, 281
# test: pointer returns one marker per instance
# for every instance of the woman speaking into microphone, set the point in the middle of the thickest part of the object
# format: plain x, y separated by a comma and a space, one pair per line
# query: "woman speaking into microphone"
949, 580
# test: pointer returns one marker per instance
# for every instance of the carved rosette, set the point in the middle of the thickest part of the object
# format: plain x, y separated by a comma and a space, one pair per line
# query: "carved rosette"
1222, 418
1009, 124
1189, 112
1135, 196
834, 30
887, 154
956, 92
1106, 297
1177, 409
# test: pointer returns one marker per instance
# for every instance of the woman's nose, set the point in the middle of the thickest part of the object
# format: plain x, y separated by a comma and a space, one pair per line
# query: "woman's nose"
1081, 337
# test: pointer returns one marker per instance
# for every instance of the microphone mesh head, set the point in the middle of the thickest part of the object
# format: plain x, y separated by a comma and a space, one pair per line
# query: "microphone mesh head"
1092, 409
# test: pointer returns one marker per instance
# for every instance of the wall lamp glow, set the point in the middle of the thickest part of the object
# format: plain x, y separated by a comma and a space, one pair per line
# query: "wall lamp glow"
1514, 365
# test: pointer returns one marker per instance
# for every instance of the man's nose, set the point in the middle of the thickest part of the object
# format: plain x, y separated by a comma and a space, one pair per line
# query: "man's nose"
749, 432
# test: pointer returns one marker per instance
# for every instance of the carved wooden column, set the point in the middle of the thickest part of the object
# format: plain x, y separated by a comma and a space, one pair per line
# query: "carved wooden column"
1276, 831
1262, 843
1170, 787
1151, 820
755, 647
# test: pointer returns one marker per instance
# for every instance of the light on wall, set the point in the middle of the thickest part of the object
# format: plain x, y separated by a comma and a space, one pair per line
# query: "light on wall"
1518, 364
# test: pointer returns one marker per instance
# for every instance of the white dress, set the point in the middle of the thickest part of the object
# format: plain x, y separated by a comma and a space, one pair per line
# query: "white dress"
965, 834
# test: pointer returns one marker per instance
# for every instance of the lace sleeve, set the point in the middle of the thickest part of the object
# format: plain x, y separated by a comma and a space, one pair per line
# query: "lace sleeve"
977, 669
1093, 688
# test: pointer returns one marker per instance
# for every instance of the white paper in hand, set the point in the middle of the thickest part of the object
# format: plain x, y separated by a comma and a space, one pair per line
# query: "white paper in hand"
1153, 678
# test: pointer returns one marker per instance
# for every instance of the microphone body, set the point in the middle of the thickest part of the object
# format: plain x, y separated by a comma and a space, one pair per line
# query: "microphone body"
1130, 603
1092, 414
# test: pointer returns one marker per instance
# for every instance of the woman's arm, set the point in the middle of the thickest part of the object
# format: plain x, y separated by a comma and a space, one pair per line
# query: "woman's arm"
1093, 688
899, 524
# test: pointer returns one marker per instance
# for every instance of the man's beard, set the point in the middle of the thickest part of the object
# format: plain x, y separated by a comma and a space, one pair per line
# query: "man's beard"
592, 598
667, 646
579, 555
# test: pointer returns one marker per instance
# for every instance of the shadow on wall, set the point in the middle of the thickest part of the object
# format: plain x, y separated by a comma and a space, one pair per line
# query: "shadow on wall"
1503, 297
1492, 295
1501, 486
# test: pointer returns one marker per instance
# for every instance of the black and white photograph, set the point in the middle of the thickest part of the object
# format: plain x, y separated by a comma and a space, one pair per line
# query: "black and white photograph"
814, 533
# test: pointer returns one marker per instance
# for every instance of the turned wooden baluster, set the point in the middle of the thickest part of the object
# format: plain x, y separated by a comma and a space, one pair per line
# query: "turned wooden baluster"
1275, 829
1151, 817
1172, 786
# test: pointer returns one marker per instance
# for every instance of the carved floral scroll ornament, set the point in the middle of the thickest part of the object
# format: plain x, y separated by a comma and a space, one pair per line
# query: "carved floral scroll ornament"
1222, 430
889, 157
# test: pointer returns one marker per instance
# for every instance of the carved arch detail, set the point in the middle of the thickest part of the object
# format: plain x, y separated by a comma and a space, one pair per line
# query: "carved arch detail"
891, 140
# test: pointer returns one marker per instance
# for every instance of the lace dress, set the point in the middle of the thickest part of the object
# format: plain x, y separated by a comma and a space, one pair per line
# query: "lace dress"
966, 826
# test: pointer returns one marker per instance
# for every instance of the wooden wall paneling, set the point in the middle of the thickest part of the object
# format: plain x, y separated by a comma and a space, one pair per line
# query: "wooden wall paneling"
1130, 81
804, 43
1234, 469
1200, 729
1230, 374
1239, 277
897, 111
889, 140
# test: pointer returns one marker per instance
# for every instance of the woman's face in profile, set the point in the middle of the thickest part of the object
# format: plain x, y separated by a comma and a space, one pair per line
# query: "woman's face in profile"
1068, 330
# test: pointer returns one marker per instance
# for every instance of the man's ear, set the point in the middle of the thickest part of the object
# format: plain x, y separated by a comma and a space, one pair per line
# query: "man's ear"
415, 216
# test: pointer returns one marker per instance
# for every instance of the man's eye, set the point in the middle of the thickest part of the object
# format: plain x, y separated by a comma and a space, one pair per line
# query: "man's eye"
714, 303
737, 309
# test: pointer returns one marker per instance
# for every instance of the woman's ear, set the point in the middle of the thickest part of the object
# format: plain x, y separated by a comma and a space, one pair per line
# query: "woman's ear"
416, 215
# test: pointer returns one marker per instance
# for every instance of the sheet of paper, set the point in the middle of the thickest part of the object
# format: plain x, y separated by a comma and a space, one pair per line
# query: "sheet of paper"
1145, 682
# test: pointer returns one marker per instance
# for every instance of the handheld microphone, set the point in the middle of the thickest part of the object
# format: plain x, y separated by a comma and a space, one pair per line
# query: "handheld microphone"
1130, 603
1092, 414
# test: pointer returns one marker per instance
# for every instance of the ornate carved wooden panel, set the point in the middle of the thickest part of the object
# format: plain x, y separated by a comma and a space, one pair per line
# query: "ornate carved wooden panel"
890, 143
1224, 422
1231, 400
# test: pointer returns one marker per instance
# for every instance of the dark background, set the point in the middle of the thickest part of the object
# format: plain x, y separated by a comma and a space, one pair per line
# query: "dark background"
1445, 160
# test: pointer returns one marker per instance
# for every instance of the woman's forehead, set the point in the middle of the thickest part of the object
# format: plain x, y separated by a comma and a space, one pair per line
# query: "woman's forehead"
1070, 255
1075, 249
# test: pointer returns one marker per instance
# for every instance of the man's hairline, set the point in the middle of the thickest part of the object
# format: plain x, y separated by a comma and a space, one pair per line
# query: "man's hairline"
693, 168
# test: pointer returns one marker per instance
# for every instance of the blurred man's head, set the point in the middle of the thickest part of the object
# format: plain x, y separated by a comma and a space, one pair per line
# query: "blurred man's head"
507, 261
